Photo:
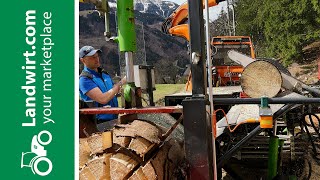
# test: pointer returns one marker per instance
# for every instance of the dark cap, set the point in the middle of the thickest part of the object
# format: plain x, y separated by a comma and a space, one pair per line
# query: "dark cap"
87, 51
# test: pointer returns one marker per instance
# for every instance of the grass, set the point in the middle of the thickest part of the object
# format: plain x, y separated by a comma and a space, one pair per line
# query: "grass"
161, 91
166, 89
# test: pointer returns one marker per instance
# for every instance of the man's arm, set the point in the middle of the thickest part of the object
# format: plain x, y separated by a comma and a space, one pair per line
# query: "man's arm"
103, 98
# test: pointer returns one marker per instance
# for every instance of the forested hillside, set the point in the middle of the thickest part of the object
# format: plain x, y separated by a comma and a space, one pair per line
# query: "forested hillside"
281, 28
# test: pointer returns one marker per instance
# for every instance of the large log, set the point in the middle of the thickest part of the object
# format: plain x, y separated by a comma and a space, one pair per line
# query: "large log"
261, 78
288, 82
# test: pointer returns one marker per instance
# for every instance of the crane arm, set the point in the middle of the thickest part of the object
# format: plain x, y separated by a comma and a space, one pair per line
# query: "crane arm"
175, 24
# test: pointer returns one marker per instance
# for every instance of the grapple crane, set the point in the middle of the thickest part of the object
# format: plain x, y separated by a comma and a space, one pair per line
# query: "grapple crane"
225, 74
177, 23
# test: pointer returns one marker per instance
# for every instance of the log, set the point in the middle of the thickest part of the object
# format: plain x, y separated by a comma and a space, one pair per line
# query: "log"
121, 165
261, 78
86, 174
288, 82
146, 172
100, 141
159, 162
149, 171
139, 129
140, 146
122, 141
138, 174
97, 168
124, 163
84, 152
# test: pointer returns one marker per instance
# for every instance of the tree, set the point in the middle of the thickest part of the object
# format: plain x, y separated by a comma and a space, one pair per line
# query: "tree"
281, 28
248, 18
219, 27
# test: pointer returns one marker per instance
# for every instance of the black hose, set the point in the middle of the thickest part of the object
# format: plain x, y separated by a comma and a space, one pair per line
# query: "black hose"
316, 129
315, 92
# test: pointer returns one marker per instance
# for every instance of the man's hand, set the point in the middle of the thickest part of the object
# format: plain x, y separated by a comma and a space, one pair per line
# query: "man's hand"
104, 98
124, 80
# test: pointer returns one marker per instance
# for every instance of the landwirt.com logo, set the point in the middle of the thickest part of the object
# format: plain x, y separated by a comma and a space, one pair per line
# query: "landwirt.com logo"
37, 88
37, 159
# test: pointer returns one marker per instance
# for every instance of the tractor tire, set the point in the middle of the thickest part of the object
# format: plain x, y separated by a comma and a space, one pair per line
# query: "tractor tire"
137, 151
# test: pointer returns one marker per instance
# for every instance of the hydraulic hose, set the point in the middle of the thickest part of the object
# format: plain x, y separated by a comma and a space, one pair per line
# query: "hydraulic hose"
316, 129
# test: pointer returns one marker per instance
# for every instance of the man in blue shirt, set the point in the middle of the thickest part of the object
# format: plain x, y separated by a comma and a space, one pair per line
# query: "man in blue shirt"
97, 88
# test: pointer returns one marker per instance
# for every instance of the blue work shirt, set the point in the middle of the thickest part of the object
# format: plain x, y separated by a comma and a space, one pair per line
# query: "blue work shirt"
104, 82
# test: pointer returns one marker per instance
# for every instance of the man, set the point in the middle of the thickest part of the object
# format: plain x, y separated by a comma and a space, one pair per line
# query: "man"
97, 88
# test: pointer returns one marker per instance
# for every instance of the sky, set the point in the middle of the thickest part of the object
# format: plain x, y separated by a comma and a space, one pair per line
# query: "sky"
213, 11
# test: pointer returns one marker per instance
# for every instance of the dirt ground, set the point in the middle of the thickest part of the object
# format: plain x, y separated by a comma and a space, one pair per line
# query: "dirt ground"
307, 68
315, 168
308, 73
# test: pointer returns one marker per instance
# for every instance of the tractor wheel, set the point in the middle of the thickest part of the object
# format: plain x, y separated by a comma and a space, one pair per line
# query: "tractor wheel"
137, 151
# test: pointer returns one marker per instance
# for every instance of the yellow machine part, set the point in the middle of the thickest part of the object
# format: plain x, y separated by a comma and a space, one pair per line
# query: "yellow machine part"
266, 122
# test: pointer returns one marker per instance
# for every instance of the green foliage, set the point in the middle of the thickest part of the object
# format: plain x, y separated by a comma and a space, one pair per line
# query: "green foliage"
248, 18
279, 28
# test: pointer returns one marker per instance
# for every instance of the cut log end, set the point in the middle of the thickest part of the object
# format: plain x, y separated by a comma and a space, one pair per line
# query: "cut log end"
261, 78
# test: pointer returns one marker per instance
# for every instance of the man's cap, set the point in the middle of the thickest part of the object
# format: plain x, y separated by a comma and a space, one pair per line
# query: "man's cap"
87, 51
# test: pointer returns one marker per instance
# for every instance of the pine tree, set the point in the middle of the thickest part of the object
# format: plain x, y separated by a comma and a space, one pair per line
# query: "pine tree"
281, 28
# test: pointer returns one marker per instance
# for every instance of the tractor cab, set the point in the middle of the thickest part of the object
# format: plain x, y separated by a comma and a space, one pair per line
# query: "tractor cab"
225, 71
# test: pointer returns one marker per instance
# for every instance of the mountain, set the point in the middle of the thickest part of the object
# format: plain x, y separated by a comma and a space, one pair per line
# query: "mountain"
158, 7
161, 8
168, 54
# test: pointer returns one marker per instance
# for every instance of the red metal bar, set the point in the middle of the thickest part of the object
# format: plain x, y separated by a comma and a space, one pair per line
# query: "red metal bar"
144, 110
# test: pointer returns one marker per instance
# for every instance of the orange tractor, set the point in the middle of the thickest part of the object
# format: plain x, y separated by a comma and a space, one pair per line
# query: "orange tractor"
225, 71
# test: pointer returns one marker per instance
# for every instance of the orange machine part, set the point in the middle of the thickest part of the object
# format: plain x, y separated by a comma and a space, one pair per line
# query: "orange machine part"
235, 43
180, 30
181, 14
266, 121
228, 73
